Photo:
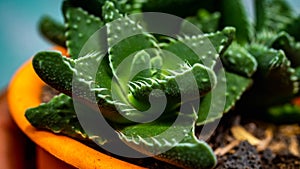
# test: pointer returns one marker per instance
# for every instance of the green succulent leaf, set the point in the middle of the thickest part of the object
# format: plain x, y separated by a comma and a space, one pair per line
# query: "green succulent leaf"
55, 70
80, 27
268, 59
286, 113
93, 7
265, 37
297, 72
233, 14
206, 22
231, 87
280, 41
222, 39
274, 80
58, 116
122, 47
109, 12
203, 49
273, 14
52, 30
186, 83
188, 152
175, 7
61, 72
238, 60
176, 84
293, 28
210, 21
141, 66
291, 48
260, 15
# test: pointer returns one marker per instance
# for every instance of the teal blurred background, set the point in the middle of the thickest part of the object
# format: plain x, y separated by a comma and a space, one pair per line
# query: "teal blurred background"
19, 37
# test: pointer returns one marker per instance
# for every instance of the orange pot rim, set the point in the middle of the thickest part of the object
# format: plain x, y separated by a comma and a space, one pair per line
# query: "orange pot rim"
24, 92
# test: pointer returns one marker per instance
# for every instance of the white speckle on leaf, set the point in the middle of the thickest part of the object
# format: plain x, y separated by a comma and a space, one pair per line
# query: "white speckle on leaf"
75, 26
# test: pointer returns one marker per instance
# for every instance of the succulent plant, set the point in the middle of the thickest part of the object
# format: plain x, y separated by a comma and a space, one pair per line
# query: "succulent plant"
259, 71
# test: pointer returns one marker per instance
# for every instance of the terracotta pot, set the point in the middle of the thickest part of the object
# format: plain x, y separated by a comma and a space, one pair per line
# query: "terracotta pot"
53, 151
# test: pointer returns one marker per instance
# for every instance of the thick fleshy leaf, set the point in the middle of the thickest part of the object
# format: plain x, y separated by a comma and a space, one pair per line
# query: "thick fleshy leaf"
281, 41
274, 81
176, 7
233, 14
291, 48
165, 95
265, 37
190, 153
94, 7
61, 73
260, 15
163, 140
222, 39
286, 113
59, 116
178, 83
206, 22
55, 70
125, 38
76, 78
238, 60
273, 14
109, 12
293, 28
80, 27
231, 87
297, 72
52, 30
204, 48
